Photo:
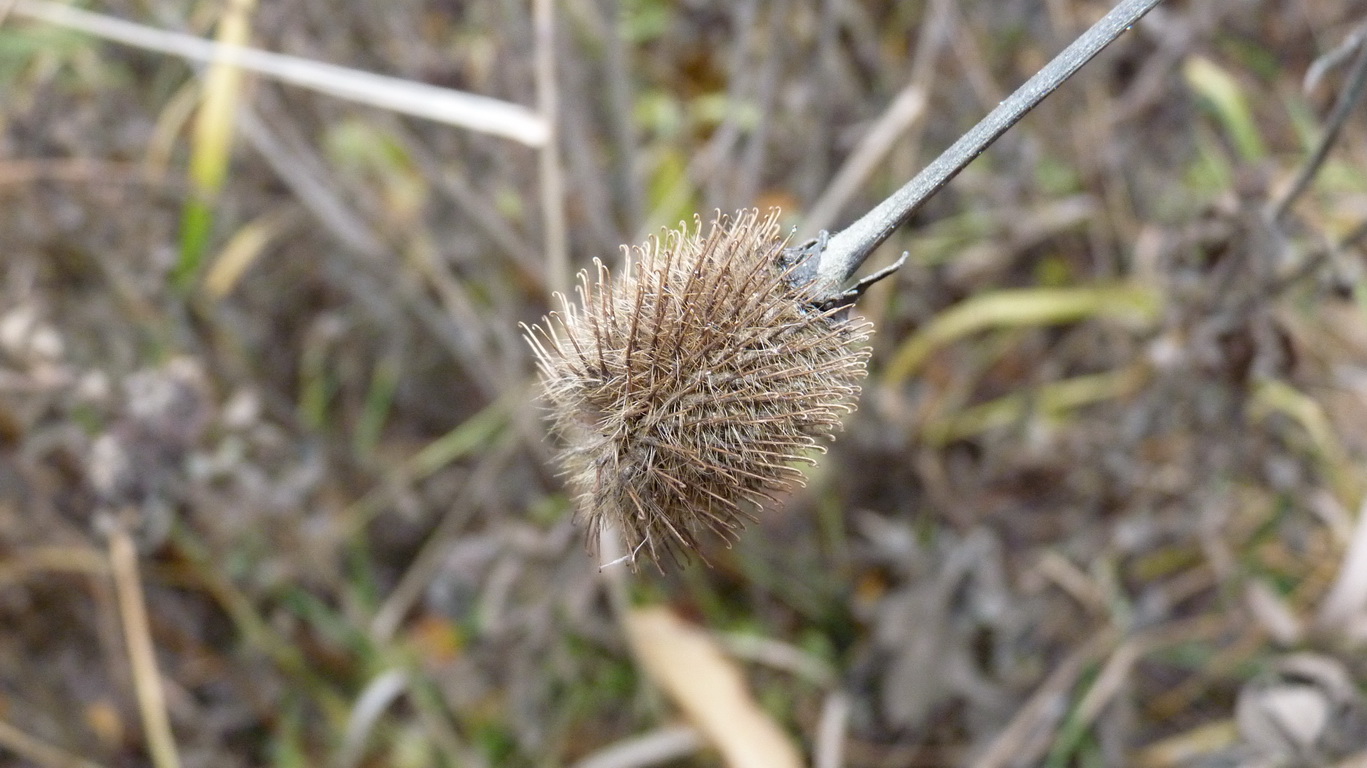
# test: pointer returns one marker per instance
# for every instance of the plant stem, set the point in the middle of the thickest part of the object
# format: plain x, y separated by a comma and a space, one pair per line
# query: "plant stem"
844, 252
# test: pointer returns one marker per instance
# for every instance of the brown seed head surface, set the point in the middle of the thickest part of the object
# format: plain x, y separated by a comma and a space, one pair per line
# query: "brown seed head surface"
687, 387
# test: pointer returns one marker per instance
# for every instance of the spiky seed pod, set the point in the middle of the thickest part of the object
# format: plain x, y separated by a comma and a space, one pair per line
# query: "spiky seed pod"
687, 388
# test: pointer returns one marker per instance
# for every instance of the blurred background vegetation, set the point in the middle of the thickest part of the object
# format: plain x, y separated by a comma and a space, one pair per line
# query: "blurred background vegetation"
1099, 505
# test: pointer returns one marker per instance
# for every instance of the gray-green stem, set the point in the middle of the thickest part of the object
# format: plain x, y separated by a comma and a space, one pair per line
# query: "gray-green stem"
831, 261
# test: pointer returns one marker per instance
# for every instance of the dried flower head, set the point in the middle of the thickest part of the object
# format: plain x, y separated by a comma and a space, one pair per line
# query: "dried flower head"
688, 387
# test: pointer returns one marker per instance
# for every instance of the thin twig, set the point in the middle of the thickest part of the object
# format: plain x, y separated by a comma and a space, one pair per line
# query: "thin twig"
423, 569
552, 175
123, 559
350, 229
750, 164
831, 730
1046, 706
620, 124
481, 212
313, 191
1347, 598
740, 77
377, 696
1348, 98
467, 110
836, 260
815, 172
18, 173
29, 562
1327, 62
908, 107
596, 229
40, 753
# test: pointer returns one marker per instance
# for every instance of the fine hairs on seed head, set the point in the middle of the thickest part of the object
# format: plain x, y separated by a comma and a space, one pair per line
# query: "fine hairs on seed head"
686, 388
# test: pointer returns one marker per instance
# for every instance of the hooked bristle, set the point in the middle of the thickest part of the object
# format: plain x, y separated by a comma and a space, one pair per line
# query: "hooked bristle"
687, 388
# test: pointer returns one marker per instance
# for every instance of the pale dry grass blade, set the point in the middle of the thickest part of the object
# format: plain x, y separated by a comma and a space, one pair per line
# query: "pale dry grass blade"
222, 92
240, 252
212, 146
38, 752
1020, 307
1054, 400
690, 667
1347, 597
665, 745
443, 105
321, 199
777, 654
123, 559
904, 113
1035, 722
1279, 397
177, 113
1189, 746
831, 731
16, 173
382, 691
30, 562
1230, 102
1273, 613
552, 174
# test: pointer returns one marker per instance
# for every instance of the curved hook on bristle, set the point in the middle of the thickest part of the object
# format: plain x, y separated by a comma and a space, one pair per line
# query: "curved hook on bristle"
849, 297
686, 389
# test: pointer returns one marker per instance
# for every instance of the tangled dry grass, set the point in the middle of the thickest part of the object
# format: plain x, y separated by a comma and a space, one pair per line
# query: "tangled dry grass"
1099, 505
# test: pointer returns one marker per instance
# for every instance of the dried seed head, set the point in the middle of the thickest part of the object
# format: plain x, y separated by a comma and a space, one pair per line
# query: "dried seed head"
686, 388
